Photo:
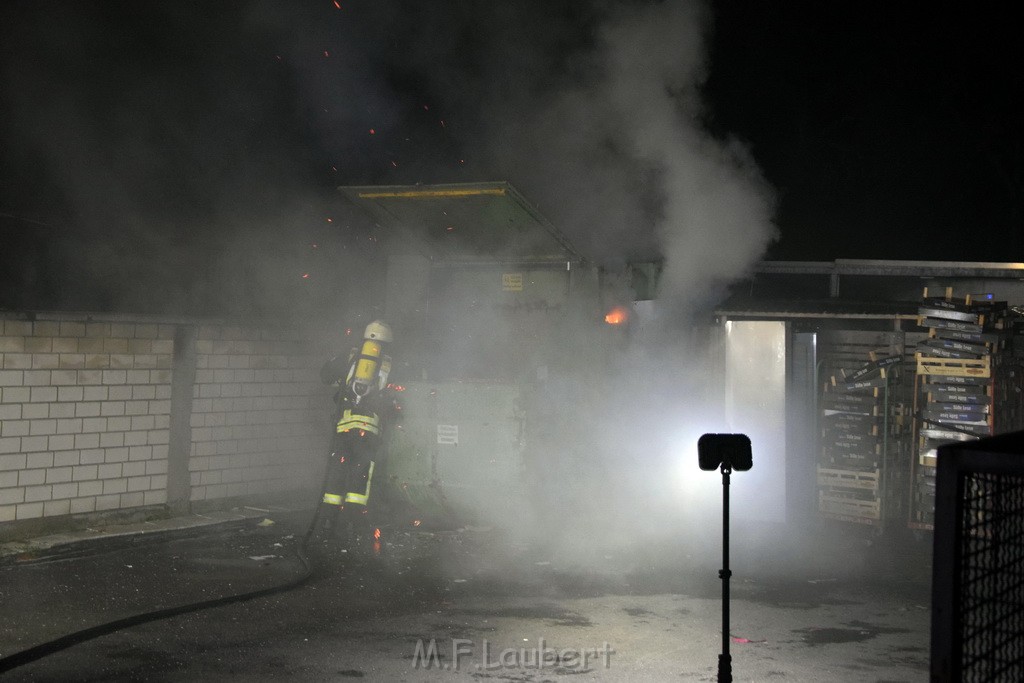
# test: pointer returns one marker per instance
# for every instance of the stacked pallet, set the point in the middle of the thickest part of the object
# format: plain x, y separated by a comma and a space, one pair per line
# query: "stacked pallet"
856, 422
959, 366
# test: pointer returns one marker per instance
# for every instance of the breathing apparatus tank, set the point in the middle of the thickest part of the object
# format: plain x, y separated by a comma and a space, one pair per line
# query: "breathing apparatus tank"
368, 364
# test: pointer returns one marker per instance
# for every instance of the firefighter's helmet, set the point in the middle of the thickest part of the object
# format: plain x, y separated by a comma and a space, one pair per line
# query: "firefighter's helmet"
379, 331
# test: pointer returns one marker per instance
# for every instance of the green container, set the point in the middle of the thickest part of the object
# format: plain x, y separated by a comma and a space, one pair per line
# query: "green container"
455, 452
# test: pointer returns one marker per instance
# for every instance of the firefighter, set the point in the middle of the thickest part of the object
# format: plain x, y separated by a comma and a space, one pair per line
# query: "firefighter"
362, 377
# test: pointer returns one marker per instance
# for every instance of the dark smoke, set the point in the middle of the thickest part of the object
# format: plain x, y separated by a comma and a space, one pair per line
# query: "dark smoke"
163, 144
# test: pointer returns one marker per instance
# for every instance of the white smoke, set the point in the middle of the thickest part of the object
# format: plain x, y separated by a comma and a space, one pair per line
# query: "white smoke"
622, 161
595, 112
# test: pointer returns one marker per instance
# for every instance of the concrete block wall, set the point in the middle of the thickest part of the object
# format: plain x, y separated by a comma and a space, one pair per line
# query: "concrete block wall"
87, 417
258, 412
84, 415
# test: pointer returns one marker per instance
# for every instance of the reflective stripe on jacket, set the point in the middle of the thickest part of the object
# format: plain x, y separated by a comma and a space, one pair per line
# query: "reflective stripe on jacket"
350, 421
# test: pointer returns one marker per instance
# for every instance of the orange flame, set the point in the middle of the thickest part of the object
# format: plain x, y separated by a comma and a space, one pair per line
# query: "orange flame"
617, 316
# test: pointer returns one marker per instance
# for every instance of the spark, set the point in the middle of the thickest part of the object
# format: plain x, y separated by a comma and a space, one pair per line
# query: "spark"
334, 168
337, 4
373, 132
326, 54
416, 522
315, 245
305, 276
450, 228
426, 108
330, 220
395, 164
442, 123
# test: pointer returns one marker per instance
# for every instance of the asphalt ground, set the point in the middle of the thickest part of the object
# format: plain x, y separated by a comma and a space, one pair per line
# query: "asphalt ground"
466, 604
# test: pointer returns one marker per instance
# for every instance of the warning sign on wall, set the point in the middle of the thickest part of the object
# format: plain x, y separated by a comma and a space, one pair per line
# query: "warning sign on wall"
448, 434
512, 282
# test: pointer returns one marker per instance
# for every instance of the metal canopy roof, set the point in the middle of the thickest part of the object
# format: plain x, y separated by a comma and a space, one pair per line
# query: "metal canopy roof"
893, 268
887, 292
462, 222
739, 308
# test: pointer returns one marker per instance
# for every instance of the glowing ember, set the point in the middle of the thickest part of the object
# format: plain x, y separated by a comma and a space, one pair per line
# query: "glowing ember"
305, 276
326, 54
617, 316
373, 132
315, 245
376, 533
337, 4
416, 522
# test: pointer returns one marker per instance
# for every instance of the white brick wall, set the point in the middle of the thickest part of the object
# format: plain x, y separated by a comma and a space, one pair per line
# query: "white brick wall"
75, 398
257, 412
85, 414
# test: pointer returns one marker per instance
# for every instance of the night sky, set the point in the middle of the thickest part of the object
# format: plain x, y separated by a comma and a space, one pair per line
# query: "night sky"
191, 150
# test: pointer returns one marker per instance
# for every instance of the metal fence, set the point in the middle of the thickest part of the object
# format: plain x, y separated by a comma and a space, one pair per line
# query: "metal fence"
978, 574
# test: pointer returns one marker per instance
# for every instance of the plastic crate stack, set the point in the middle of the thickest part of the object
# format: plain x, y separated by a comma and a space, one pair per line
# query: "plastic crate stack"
961, 368
857, 423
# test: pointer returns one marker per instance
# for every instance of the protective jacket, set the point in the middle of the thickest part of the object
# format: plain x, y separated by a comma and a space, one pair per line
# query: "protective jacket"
361, 378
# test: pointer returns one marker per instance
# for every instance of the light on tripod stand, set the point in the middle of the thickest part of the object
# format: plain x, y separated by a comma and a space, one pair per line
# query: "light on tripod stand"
727, 452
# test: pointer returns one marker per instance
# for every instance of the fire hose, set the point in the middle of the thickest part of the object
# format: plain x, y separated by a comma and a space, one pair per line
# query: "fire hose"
64, 642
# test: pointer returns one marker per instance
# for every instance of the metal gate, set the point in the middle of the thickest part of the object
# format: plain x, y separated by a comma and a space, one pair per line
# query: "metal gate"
978, 574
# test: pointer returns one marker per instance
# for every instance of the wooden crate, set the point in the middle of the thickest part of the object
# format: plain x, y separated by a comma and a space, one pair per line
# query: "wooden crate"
956, 367
853, 507
848, 479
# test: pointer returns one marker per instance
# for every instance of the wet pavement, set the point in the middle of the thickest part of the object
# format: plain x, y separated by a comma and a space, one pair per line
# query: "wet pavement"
458, 605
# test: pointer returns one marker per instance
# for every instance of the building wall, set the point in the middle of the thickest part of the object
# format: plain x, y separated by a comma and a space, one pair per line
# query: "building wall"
258, 412
87, 417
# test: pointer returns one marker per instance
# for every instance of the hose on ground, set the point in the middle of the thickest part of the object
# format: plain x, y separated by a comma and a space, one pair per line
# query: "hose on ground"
64, 642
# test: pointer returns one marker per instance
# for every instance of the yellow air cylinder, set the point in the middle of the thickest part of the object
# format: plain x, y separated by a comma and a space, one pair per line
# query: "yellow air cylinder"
366, 367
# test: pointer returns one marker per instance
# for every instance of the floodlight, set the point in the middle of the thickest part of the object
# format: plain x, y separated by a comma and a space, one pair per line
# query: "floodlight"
726, 450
